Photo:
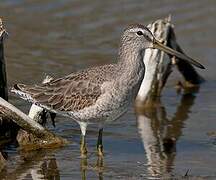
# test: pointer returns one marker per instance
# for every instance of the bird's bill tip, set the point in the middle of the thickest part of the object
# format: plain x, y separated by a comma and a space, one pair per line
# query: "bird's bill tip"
160, 46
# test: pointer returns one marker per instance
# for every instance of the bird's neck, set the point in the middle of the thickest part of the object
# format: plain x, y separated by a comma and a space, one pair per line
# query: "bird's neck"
130, 72
130, 62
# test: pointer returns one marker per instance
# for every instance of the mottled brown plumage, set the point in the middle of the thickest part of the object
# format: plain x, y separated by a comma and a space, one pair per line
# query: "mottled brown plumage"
70, 93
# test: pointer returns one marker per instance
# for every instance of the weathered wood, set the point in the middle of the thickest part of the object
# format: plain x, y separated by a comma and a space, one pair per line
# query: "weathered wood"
159, 67
44, 137
3, 78
3, 88
7, 110
7, 127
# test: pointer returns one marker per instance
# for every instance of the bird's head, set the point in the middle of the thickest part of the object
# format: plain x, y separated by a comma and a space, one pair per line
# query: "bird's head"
140, 37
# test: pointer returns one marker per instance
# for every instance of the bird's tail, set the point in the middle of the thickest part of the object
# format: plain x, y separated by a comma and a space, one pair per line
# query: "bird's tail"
18, 89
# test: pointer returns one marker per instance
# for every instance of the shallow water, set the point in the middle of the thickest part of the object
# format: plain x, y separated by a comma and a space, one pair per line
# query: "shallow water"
58, 37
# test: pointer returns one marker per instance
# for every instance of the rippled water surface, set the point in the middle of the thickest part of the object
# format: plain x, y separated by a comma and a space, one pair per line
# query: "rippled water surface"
58, 37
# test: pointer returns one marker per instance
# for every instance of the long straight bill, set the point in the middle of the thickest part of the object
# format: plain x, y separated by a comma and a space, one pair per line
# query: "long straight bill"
170, 51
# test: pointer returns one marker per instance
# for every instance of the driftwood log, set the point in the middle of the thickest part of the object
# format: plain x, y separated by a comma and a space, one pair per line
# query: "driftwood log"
160, 67
3, 87
34, 135
5, 124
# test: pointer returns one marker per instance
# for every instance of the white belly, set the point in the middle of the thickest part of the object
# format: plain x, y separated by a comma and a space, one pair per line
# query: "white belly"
107, 108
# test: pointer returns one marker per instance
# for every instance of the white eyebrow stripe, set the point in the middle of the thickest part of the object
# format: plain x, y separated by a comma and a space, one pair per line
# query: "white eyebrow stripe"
135, 29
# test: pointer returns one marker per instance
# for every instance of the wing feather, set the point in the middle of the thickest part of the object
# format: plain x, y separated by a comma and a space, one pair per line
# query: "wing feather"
63, 94
70, 93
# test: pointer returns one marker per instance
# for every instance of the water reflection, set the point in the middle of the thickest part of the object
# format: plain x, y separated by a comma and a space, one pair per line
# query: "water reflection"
98, 167
34, 165
160, 133
41, 165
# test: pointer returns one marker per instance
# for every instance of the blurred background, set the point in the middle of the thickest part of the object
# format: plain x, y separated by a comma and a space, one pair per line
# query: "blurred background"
58, 37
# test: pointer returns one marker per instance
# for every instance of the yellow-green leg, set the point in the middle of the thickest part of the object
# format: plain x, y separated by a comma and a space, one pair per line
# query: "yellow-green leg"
83, 148
100, 142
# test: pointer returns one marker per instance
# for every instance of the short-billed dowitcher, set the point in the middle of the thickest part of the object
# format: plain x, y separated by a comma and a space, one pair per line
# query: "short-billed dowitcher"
100, 94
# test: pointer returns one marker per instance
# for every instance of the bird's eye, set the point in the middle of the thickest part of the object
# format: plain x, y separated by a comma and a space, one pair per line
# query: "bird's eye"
140, 33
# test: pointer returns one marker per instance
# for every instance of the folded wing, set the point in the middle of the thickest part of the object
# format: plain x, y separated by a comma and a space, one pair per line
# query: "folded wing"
64, 94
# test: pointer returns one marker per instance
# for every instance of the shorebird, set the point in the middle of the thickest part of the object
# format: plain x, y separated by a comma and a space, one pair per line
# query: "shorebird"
100, 94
